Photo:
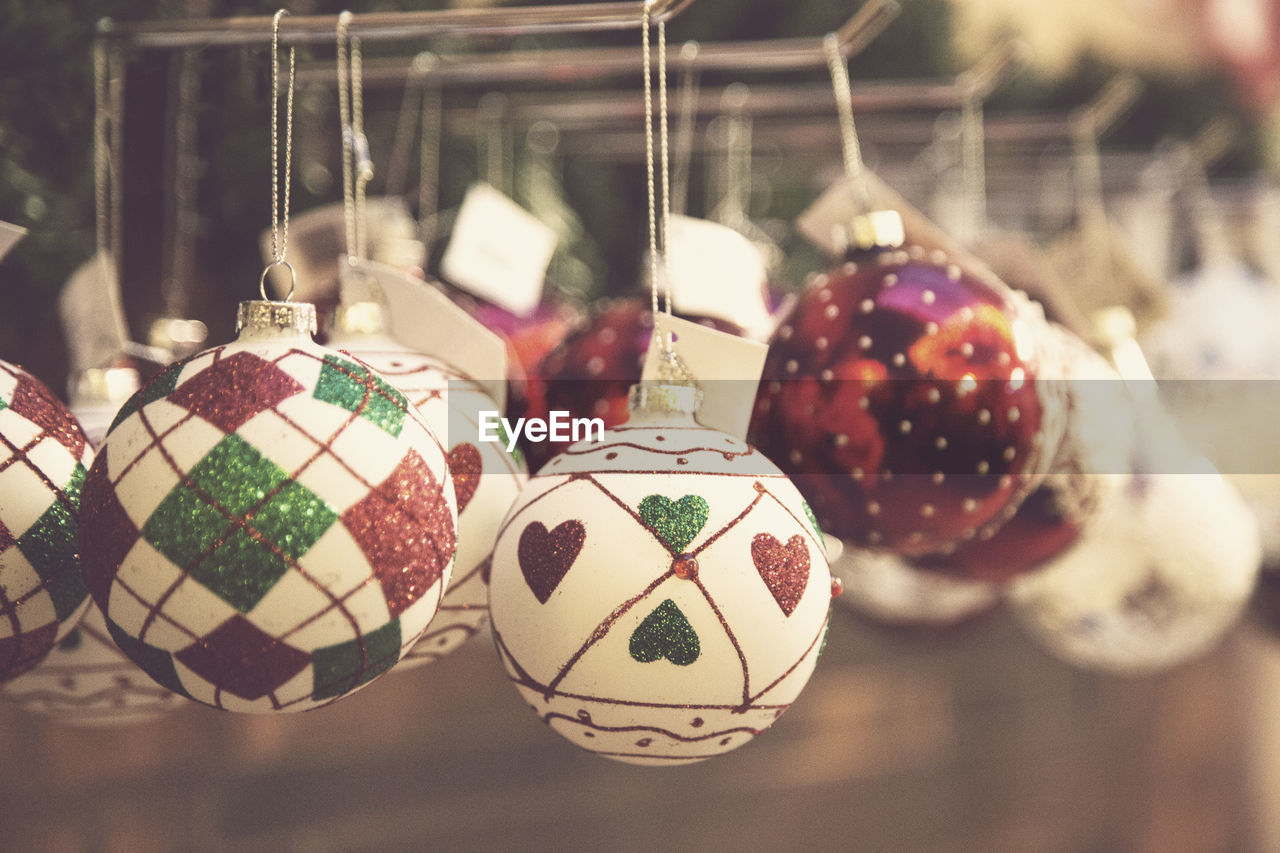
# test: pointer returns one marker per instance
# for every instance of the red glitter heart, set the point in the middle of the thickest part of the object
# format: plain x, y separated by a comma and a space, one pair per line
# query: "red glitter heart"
464, 465
545, 556
783, 568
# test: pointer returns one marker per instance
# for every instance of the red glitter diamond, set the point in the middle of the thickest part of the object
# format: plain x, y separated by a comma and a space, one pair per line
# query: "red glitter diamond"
6, 538
404, 528
106, 532
234, 389
21, 652
35, 402
242, 660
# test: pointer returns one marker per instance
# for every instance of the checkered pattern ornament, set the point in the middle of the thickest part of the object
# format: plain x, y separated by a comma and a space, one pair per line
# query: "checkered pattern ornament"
86, 680
43, 457
268, 526
660, 596
486, 478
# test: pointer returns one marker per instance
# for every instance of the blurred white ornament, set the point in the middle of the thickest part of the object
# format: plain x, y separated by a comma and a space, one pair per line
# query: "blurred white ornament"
1153, 584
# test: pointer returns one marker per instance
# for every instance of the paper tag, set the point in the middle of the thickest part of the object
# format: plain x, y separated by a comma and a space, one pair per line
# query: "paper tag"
717, 272
10, 234
92, 316
424, 319
726, 367
499, 251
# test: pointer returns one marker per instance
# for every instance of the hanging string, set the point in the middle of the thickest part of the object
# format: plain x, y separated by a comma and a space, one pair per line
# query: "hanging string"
685, 130
357, 167
183, 176
663, 125
844, 104
429, 161
658, 274
101, 154
279, 223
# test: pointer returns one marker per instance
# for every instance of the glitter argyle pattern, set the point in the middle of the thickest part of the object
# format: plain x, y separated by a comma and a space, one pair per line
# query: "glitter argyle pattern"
43, 456
271, 531
486, 480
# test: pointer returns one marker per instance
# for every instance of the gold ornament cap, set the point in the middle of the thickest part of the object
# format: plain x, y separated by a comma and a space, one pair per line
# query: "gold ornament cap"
663, 398
875, 229
272, 318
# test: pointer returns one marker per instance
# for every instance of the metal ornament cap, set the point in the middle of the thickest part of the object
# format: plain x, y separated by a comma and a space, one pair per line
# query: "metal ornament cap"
664, 399
265, 318
875, 229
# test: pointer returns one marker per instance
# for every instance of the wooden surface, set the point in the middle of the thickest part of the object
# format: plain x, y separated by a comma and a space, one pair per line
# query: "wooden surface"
962, 740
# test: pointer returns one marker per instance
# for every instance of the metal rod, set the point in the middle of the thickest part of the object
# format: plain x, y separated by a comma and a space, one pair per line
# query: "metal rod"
388, 26
770, 55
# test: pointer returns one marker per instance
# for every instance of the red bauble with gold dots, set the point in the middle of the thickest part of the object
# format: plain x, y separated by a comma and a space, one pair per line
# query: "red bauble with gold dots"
903, 396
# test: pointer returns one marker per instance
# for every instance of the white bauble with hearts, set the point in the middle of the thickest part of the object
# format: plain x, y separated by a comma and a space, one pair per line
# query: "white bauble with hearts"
660, 596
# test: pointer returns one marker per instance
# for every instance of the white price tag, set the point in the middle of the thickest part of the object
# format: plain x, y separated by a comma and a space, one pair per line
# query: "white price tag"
92, 316
726, 367
423, 318
9, 236
717, 272
499, 251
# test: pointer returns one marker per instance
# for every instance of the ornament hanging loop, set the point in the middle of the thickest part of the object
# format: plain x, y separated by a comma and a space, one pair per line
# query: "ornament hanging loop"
293, 279
279, 221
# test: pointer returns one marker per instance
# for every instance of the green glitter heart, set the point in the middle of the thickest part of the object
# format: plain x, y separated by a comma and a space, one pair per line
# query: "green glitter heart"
675, 522
665, 633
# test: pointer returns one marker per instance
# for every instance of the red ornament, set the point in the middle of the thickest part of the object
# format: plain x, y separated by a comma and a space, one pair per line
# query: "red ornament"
590, 374
903, 397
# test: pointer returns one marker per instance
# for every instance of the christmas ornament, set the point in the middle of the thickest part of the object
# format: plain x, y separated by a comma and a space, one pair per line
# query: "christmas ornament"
892, 590
486, 478
904, 396
1095, 450
590, 374
1153, 584
271, 526
43, 457
659, 596
86, 680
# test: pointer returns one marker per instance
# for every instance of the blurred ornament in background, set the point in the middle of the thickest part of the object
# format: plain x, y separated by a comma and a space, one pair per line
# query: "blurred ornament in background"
1155, 582
905, 395
660, 596
43, 459
890, 589
486, 478
270, 526
590, 374
1096, 449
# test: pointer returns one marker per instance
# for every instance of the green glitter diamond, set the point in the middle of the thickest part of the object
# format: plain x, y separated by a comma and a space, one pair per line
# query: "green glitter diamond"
240, 568
665, 633
346, 384
158, 388
675, 522
52, 547
338, 670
